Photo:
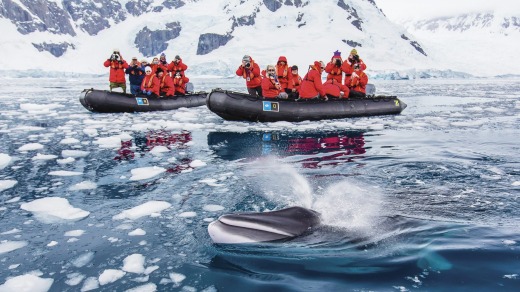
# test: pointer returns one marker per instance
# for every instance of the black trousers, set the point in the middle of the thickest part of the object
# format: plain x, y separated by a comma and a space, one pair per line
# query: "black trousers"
355, 94
255, 91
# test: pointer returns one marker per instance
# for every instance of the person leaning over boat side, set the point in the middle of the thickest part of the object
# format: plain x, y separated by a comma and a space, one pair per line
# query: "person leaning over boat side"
250, 70
348, 65
283, 71
294, 83
335, 89
358, 82
166, 87
117, 66
135, 75
150, 85
271, 87
334, 67
312, 87
180, 81
177, 65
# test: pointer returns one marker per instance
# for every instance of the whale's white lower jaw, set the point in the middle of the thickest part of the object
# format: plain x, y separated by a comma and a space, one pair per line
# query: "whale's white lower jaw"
226, 234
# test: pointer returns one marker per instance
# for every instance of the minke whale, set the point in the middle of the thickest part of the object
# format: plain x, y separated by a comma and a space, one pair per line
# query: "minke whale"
263, 226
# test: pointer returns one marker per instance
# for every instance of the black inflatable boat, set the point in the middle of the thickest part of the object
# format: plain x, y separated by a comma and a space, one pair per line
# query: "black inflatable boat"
103, 101
237, 106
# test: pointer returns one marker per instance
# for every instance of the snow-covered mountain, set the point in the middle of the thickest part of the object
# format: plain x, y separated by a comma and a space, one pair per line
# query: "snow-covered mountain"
213, 35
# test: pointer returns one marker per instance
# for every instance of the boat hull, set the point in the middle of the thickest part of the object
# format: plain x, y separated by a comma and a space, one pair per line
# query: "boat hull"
237, 106
103, 101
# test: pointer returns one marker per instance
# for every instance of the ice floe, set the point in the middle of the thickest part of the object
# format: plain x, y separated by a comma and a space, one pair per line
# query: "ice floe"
65, 173
142, 210
197, 163
146, 172
68, 141
4, 160
84, 185
134, 263
8, 246
213, 208
74, 233
30, 147
27, 283
40, 156
54, 210
110, 275
137, 232
7, 184
89, 284
74, 153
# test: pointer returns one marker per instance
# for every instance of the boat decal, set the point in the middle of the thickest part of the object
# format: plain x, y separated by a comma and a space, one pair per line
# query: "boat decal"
270, 106
396, 102
142, 101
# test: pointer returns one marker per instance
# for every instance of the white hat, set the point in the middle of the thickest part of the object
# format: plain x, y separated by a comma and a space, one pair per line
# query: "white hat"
147, 69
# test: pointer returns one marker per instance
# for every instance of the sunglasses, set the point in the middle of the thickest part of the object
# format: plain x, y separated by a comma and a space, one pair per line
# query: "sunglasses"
270, 70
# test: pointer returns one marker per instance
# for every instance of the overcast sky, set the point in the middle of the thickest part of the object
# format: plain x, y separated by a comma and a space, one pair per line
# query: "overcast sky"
423, 9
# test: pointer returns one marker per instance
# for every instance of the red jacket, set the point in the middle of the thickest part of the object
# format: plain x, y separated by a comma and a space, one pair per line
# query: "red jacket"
117, 70
166, 85
155, 66
334, 71
177, 67
311, 84
333, 87
284, 72
348, 68
180, 84
358, 81
251, 74
150, 82
295, 82
270, 88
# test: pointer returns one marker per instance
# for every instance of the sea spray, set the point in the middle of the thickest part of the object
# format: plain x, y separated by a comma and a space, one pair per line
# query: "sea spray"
280, 183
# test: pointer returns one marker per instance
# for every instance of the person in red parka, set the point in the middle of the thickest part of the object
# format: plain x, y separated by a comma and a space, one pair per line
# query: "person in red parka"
312, 87
284, 74
117, 66
250, 71
180, 81
166, 87
157, 64
271, 87
335, 89
150, 85
295, 83
334, 67
348, 65
358, 82
177, 65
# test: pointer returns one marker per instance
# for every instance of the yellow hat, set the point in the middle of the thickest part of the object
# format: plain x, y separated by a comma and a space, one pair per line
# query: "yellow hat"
353, 52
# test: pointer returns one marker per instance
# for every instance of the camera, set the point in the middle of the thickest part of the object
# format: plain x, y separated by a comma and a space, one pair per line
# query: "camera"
114, 57
356, 66
356, 58
338, 62
248, 65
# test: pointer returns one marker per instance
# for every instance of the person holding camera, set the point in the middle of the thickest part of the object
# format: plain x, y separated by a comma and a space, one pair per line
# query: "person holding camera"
348, 65
283, 70
312, 87
151, 84
136, 75
177, 65
334, 67
294, 83
271, 87
117, 64
357, 82
250, 71
180, 81
166, 87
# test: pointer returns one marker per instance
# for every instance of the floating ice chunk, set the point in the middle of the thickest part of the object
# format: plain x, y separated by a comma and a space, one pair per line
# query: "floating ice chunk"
197, 163
511, 276
509, 242
158, 150
150, 269
40, 156
109, 142
149, 287
516, 183
146, 172
4, 160
39, 108
7, 184
110, 275
65, 173
177, 278
83, 259
213, 208
145, 209
187, 214
13, 200
74, 233
12, 231
90, 283
12, 267
137, 232
54, 209
9, 246
68, 141
27, 282
30, 146
91, 132
84, 185
74, 153
74, 279
134, 263
52, 243
66, 160
211, 182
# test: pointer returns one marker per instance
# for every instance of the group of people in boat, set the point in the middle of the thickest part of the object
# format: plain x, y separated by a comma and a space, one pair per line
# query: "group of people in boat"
158, 78
345, 78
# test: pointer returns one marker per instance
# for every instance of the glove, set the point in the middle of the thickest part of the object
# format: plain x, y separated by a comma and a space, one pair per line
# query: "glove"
149, 92
354, 75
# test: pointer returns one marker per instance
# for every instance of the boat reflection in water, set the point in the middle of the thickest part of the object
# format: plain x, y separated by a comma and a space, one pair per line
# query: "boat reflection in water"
341, 146
153, 139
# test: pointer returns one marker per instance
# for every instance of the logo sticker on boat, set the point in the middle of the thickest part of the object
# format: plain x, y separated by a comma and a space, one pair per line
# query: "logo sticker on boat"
142, 101
396, 102
270, 106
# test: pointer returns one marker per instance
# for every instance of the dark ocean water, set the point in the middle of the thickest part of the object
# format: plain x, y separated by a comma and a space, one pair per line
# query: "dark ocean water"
424, 201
